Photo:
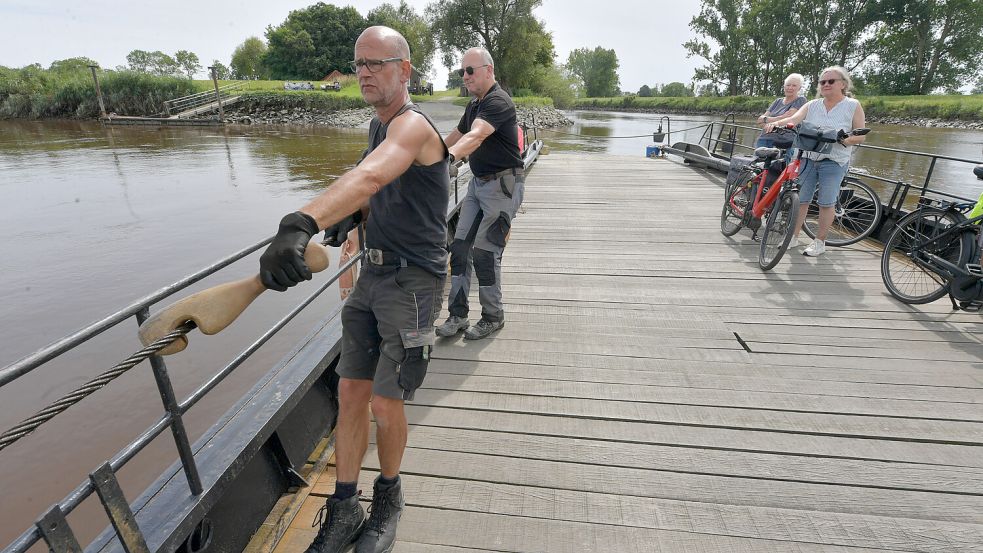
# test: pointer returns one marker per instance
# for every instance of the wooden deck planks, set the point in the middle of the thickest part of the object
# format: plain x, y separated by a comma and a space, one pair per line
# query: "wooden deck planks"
618, 411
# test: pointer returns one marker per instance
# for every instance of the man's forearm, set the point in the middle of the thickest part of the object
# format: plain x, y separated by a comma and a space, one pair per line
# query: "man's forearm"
466, 145
335, 203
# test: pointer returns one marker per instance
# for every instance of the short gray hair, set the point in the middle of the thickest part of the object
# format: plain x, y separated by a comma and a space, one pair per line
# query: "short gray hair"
485, 55
796, 77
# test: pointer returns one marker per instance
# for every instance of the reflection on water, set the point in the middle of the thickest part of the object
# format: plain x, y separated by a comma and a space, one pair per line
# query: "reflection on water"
949, 176
93, 218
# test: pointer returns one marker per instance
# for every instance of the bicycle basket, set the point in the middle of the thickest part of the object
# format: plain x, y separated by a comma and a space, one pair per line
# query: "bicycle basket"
814, 138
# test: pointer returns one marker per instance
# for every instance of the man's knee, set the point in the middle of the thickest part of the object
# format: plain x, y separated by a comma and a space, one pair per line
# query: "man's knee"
387, 410
459, 256
354, 393
484, 267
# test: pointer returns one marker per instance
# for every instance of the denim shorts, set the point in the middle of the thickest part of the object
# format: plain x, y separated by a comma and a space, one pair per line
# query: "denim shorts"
828, 174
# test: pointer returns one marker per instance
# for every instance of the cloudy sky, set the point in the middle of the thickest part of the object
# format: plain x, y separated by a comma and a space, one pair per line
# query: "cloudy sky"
647, 35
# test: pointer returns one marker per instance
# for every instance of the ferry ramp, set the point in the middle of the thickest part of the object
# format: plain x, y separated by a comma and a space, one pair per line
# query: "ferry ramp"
654, 390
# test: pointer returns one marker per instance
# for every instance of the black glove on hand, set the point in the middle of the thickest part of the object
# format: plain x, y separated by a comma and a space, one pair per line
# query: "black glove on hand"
282, 264
336, 234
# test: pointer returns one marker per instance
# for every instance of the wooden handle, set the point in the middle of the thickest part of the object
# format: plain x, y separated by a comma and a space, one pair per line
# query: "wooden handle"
215, 308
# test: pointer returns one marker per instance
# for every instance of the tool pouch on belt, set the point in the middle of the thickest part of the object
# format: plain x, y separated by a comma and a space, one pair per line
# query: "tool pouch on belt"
418, 343
507, 182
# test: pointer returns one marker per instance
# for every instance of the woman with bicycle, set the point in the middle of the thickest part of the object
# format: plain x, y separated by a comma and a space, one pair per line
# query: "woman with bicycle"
836, 108
785, 106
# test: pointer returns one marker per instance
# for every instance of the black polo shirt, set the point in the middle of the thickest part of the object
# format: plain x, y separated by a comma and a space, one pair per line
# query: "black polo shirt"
500, 150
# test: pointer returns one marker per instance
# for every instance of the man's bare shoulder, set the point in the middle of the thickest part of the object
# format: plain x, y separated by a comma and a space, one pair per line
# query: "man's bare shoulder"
412, 123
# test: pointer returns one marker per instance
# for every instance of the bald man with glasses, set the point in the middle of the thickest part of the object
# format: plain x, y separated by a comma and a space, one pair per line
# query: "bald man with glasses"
488, 133
400, 188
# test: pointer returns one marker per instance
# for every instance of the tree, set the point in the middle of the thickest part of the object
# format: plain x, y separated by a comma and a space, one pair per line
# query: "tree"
978, 89
71, 65
413, 27
597, 69
247, 59
645, 91
927, 45
162, 65
676, 89
138, 60
721, 21
222, 72
188, 62
517, 41
313, 41
454, 80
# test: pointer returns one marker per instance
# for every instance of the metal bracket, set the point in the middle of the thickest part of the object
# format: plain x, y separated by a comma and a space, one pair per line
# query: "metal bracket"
280, 453
56, 532
118, 510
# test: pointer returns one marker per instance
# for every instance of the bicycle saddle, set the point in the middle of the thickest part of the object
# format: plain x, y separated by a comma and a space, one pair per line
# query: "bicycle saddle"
767, 153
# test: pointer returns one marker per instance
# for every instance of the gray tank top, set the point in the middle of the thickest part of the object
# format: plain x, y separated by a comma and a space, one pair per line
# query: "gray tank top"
408, 216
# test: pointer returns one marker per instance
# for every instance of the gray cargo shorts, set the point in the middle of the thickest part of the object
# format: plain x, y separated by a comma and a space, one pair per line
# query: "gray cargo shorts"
387, 328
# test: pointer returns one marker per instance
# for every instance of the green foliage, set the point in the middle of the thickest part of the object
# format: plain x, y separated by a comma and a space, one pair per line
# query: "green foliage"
454, 80
928, 45
188, 62
71, 66
517, 40
313, 42
891, 46
308, 99
645, 91
247, 60
597, 69
555, 83
676, 89
156, 63
413, 27
32, 92
221, 71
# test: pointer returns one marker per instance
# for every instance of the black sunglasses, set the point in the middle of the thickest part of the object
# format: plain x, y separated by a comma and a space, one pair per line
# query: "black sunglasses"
829, 82
470, 70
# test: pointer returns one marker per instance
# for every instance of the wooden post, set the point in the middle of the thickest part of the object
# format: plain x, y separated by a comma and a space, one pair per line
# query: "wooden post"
218, 98
95, 77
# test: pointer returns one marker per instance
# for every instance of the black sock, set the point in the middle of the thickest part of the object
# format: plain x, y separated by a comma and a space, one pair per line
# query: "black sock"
386, 483
344, 490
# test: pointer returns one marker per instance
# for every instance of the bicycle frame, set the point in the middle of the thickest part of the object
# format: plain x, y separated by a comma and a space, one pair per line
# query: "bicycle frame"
938, 265
763, 203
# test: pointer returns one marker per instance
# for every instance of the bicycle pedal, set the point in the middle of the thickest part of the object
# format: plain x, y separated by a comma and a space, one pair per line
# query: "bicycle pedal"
975, 269
971, 306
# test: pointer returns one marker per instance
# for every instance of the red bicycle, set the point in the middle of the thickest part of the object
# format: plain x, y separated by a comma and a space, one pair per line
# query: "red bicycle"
765, 189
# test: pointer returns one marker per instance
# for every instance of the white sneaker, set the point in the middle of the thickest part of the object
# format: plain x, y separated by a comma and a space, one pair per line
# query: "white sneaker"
817, 248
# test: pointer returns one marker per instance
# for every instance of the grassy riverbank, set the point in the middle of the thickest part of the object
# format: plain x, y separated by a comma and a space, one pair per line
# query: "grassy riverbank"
528, 101
967, 108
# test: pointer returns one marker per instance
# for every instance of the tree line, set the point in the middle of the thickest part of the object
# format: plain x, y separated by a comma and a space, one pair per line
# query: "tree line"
893, 47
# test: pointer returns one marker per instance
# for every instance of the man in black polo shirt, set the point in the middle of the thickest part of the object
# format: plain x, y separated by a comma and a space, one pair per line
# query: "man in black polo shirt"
489, 135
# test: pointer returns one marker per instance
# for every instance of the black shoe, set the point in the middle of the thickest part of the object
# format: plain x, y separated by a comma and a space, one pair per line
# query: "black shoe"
482, 329
341, 522
380, 530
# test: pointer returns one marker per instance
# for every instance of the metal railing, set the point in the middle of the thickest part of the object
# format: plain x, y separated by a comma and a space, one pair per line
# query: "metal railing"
177, 106
52, 527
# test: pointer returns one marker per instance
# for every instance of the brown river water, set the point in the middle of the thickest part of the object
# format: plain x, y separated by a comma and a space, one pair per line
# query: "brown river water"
92, 218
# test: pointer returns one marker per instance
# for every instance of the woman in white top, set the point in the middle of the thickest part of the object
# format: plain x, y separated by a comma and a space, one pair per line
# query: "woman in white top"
837, 109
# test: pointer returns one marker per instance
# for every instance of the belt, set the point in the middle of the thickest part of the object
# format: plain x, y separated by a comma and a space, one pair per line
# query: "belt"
384, 258
515, 171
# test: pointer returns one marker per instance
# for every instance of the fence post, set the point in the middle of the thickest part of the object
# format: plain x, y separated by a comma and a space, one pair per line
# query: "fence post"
95, 77
218, 97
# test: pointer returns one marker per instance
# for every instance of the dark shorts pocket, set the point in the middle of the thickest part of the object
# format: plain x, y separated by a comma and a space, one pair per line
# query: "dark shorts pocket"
413, 369
500, 229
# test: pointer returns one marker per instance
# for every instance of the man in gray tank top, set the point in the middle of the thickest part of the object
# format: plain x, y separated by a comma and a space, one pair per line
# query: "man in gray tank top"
400, 187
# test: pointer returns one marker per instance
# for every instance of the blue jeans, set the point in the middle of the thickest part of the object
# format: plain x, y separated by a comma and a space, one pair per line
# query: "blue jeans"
827, 174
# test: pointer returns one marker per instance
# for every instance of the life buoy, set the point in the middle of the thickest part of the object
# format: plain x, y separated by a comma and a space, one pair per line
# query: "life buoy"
522, 141
346, 282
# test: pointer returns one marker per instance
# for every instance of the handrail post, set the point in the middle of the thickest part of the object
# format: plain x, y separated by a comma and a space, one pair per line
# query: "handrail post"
95, 77
218, 96
177, 423
928, 176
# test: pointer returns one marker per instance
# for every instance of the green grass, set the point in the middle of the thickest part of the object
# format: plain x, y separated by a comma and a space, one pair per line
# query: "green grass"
524, 101
936, 107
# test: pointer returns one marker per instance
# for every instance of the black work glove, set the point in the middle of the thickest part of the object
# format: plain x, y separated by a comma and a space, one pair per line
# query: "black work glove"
282, 264
336, 234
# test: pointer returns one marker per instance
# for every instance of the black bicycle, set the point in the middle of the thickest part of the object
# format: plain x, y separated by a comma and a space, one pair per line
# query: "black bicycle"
934, 251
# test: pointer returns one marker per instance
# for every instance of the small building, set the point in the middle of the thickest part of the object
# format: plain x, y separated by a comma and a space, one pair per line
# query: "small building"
417, 84
334, 76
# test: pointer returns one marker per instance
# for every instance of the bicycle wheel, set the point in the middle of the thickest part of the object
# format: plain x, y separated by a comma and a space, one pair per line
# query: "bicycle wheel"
903, 264
778, 229
858, 210
737, 200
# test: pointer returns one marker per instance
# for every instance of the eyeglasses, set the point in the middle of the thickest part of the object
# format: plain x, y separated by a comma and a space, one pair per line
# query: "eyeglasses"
829, 82
470, 70
373, 65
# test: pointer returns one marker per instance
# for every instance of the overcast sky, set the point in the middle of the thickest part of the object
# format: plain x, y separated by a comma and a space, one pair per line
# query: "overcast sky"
647, 35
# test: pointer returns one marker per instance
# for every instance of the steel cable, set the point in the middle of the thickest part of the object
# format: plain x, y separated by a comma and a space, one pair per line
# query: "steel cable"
31, 424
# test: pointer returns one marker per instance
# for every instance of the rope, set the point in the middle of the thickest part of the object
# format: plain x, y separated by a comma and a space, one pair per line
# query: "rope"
649, 135
31, 424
